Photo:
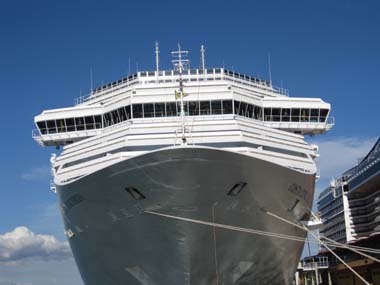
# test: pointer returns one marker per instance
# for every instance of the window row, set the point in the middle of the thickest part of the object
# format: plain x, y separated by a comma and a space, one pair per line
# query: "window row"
280, 114
191, 108
70, 124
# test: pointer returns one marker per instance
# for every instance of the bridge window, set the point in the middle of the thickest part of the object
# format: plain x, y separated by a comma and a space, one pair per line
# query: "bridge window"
227, 106
314, 115
295, 115
205, 107
79, 124
42, 127
237, 107
258, 113
98, 122
171, 109
61, 125
52, 129
193, 108
115, 117
243, 108
249, 112
216, 107
323, 114
89, 122
122, 114
305, 113
137, 111
148, 110
159, 109
267, 114
107, 120
276, 114
70, 125
285, 115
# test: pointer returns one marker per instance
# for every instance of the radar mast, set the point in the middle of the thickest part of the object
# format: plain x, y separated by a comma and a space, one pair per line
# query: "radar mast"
181, 63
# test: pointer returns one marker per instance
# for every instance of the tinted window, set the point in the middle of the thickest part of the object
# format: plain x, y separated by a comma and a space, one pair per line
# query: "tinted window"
258, 113
51, 127
42, 127
205, 107
122, 114
89, 122
249, 112
159, 109
314, 115
305, 115
98, 122
128, 112
237, 107
61, 126
115, 117
137, 111
70, 125
285, 115
171, 109
79, 124
216, 107
276, 114
267, 114
295, 117
107, 120
243, 108
148, 110
323, 114
227, 106
193, 108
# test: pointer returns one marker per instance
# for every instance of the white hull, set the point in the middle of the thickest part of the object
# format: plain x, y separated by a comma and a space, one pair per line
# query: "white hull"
115, 242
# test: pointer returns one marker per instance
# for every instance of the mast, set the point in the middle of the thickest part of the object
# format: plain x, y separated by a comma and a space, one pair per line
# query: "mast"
203, 58
157, 51
181, 64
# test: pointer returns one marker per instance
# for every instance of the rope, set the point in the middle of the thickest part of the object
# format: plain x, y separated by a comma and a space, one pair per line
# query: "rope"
340, 259
271, 234
331, 242
215, 255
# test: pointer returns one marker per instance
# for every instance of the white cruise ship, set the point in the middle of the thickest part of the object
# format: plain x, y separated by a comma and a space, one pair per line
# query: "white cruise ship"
162, 169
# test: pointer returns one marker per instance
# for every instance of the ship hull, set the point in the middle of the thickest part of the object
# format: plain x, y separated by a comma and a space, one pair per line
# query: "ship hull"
116, 241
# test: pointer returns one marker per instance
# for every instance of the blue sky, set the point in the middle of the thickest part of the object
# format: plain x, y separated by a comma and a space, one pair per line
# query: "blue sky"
327, 49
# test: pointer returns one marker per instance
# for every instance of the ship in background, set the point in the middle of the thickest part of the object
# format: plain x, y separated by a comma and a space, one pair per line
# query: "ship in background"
153, 164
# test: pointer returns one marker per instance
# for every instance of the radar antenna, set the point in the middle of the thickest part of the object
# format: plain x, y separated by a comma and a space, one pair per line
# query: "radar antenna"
180, 64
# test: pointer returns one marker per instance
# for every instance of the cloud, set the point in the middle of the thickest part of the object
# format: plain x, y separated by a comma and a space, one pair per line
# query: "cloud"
340, 154
22, 244
37, 174
14, 283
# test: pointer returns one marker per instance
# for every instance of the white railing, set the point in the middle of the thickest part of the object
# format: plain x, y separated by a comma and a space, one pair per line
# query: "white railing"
188, 75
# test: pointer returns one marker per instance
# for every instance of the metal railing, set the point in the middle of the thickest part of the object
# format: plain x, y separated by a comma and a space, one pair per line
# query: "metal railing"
189, 76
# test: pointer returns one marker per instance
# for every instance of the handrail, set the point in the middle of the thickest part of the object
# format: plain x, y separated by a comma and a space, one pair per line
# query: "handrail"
191, 74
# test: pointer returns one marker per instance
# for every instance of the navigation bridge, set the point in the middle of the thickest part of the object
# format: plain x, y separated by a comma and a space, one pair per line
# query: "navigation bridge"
212, 95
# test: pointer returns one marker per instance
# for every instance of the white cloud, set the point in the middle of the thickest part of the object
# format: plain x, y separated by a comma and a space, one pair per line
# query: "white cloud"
340, 154
36, 174
22, 244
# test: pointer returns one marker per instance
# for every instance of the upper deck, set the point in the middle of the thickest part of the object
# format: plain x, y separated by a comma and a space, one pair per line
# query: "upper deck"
210, 92
172, 76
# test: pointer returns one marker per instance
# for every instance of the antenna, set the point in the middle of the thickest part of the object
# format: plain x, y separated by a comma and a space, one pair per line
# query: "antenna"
269, 70
157, 59
179, 65
203, 57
